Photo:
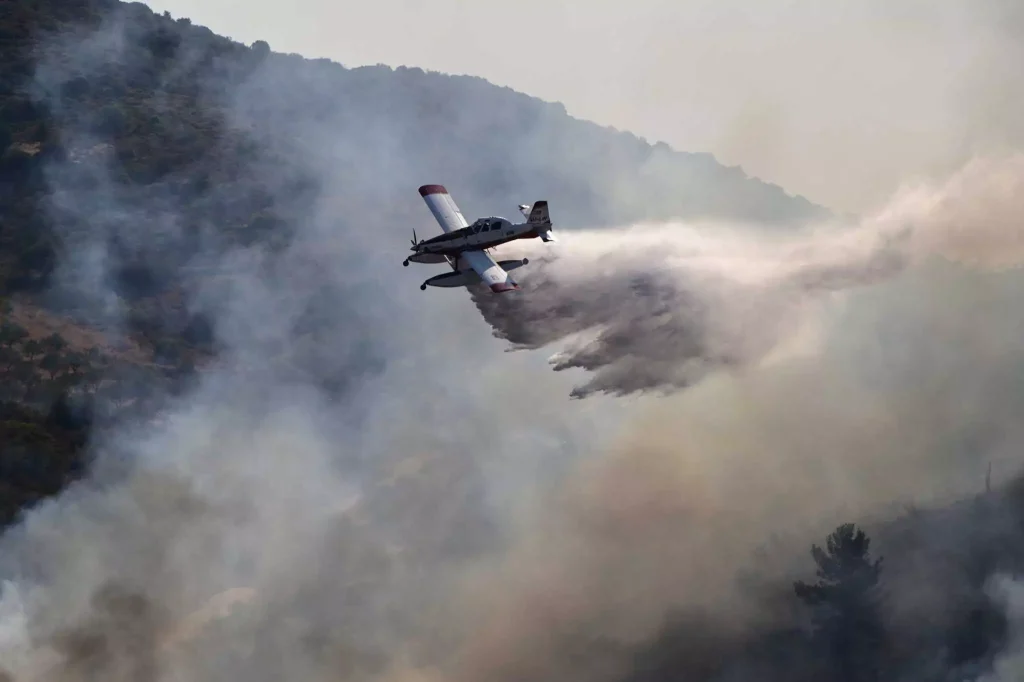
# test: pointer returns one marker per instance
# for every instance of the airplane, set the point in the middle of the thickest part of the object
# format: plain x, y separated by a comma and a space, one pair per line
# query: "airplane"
464, 246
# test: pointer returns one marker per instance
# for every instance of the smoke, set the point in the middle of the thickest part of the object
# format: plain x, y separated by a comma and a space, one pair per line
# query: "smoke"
988, 99
974, 218
444, 514
1007, 591
660, 307
305, 509
699, 515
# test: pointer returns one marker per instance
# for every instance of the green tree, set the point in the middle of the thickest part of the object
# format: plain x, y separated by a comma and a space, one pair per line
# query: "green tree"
75, 361
261, 49
53, 364
32, 349
847, 604
54, 343
9, 359
11, 334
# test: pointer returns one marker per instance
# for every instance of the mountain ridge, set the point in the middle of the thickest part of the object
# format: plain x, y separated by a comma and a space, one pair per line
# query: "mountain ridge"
657, 147
141, 154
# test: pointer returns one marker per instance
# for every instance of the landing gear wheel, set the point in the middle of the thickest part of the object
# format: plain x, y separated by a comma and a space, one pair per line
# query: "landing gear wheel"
405, 263
423, 287
526, 261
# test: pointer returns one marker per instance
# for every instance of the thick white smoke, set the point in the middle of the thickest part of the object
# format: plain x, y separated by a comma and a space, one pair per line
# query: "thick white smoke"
658, 307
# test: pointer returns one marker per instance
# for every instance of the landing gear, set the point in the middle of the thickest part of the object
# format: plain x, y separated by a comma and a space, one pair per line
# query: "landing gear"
423, 287
405, 263
526, 261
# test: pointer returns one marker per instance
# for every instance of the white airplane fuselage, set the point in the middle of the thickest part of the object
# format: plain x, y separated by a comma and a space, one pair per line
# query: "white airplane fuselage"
485, 233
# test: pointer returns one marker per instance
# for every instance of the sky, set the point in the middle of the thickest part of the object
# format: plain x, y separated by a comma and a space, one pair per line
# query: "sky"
839, 102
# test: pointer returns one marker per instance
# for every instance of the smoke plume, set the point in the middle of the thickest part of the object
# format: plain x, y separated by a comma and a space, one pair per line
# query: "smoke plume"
659, 307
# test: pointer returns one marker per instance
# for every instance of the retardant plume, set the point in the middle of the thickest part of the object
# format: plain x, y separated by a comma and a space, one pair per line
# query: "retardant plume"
911, 392
658, 307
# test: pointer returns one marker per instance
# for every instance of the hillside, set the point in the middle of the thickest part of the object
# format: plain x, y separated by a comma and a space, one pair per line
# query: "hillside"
141, 152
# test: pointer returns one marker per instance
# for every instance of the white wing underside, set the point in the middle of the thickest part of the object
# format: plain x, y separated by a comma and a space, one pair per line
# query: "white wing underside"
444, 208
491, 274
450, 218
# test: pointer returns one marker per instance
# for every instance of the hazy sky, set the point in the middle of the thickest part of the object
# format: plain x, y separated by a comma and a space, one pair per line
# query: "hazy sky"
836, 101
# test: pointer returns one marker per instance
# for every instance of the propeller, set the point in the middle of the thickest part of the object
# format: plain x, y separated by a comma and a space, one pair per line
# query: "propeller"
414, 242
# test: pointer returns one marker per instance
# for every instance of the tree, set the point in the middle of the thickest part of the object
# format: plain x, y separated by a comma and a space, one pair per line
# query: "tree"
54, 343
11, 334
53, 364
32, 349
9, 359
75, 361
846, 603
261, 49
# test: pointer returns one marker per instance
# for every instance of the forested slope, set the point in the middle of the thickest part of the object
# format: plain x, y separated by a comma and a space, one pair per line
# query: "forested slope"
114, 119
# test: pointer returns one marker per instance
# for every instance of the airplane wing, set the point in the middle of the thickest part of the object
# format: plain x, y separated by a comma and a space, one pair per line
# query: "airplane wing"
448, 215
443, 207
492, 274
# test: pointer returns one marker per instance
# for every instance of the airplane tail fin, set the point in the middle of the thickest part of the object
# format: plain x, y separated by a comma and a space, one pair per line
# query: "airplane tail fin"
541, 219
539, 213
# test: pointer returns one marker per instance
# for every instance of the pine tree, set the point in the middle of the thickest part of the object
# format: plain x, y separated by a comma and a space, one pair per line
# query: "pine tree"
846, 603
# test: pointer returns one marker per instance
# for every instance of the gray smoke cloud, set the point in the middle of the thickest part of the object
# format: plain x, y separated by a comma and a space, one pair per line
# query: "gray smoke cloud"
303, 509
1009, 593
659, 307
450, 516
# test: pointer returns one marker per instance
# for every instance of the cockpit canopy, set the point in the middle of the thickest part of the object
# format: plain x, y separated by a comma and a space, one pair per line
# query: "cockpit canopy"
488, 224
